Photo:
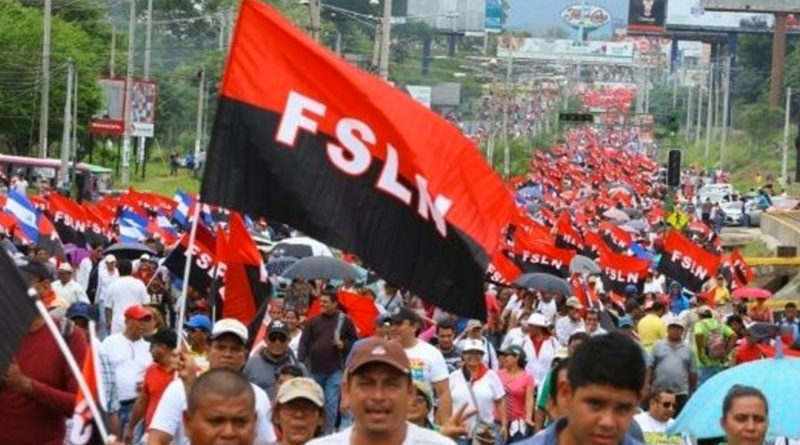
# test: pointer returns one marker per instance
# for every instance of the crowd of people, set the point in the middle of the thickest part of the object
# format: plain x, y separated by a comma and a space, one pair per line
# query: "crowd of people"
605, 362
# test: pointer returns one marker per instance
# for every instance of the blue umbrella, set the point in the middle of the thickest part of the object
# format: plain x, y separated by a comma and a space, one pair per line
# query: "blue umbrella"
531, 191
776, 377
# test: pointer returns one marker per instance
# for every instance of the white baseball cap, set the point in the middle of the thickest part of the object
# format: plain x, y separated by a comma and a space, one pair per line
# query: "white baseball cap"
301, 388
472, 345
230, 326
64, 267
110, 258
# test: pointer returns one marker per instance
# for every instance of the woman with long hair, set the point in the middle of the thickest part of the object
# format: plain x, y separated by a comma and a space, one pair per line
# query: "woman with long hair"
519, 387
292, 319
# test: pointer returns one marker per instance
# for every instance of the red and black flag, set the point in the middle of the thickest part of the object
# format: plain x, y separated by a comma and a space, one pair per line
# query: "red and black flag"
542, 257
687, 263
594, 245
566, 235
621, 270
616, 238
736, 270
303, 138
203, 259
240, 267
18, 309
68, 218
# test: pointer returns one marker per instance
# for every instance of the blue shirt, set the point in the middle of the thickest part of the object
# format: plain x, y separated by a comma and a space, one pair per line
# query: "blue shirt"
678, 304
549, 436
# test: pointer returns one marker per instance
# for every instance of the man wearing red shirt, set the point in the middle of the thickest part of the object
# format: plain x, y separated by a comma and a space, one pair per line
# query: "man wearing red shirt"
158, 375
38, 390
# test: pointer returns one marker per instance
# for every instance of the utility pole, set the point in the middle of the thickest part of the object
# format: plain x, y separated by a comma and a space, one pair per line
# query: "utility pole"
198, 138
65, 133
113, 49
506, 105
315, 18
386, 29
726, 103
689, 100
785, 160
126, 138
699, 127
148, 37
709, 109
44, 107
674, 89
74, 129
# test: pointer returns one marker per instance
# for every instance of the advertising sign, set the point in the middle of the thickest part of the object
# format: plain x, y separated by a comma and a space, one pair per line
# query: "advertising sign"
110, 120
461, 16
588, 17
690, 14
494, 16
564, 49
143, 111
646, 16
421, 93
768, 6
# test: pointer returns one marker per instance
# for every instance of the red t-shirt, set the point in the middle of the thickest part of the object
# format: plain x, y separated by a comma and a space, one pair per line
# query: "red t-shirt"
156, 379
748, 352
39, 418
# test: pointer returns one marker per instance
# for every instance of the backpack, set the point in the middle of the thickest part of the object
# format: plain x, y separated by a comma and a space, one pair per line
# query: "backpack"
715, 343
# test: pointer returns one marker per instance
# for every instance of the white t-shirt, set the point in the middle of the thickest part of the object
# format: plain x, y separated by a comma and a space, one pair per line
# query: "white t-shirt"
168, 416
514, 336
104, 279
122, 294
414, 436
654, 287
84, 271
650, 425
72, 292
130, 360
427, 363
487, 389
548, 309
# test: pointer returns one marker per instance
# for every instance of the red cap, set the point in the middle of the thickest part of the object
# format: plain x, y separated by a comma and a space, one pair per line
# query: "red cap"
137, 312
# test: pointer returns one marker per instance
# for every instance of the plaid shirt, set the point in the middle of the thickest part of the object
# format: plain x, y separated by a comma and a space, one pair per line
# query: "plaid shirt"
109, 384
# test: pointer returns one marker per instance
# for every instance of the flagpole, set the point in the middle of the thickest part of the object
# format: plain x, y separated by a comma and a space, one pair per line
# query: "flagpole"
187, 269
73, 366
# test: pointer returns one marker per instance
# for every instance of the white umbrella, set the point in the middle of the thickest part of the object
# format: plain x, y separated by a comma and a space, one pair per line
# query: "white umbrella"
317, 248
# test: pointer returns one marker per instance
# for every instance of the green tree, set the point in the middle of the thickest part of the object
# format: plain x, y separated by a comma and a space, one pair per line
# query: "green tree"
20, 56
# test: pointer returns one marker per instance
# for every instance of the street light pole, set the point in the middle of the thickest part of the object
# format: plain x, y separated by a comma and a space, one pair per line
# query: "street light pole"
44, 107
785, 160
386, 29
315, 18
126, 139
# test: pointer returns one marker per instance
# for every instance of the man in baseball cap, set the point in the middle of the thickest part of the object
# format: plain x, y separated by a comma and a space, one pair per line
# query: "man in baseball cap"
228, 351
273, 354
378, 390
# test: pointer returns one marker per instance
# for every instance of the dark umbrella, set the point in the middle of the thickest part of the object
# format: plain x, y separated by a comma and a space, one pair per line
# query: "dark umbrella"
320, 267
543, 282
277, 266
128, 251
582, 264
633, 213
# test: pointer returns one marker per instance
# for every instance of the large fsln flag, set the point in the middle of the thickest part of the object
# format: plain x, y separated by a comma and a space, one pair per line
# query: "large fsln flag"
306, 139
687, 263
17, 309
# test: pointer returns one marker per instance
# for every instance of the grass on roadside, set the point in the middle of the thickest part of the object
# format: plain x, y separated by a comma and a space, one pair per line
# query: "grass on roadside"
756, 248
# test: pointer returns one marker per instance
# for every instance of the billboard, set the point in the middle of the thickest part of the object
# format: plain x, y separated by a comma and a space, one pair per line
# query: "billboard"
690, 14
565, 49
143, 108
110, 119
461, 16
769, 6
494, 16
647, 16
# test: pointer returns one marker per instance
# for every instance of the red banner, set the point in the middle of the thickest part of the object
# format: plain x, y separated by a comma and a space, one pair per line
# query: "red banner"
686, 263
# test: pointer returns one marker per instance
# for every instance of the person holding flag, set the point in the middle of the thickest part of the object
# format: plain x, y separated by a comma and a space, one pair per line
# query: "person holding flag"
37, 391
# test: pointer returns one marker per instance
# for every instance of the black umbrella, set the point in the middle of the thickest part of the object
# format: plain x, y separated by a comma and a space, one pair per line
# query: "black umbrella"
633, 212
128, 251
320, 267
543, 282
582, 264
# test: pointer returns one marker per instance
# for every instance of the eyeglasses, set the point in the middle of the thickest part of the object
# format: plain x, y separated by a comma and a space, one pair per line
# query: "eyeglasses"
277, 338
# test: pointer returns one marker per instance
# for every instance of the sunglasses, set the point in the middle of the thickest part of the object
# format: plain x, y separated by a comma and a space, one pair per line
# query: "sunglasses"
278, 338
668, 405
